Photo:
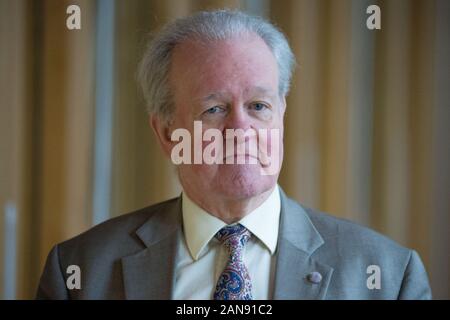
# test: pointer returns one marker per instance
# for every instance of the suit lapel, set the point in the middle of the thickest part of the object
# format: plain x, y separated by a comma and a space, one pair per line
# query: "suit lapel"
149, 274
298, 239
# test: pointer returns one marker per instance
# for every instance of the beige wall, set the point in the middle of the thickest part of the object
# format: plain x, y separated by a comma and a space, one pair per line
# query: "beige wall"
367, 125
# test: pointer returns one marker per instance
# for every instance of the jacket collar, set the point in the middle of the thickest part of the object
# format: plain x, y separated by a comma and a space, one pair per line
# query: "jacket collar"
150, 273
298, 240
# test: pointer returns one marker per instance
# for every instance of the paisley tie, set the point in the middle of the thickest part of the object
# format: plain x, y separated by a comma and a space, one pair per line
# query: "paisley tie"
234, 283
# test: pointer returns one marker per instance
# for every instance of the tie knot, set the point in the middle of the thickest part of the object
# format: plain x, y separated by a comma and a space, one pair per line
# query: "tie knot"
233, 236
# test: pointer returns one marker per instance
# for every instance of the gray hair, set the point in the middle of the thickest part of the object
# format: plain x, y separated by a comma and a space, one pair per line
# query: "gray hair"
205, 26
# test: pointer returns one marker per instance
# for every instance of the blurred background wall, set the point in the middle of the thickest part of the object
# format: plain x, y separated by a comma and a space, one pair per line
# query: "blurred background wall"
367, 124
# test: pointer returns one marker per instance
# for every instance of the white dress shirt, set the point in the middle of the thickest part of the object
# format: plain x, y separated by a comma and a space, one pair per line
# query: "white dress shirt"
202, 258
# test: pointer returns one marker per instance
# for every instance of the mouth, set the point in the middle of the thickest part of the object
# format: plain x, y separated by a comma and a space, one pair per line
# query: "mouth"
240, 156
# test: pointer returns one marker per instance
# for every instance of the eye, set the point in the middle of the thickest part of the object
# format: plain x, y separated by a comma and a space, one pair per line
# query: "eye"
259, 106
214, 109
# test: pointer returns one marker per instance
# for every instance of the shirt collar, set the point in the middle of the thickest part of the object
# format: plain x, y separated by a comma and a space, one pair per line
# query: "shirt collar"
200, 226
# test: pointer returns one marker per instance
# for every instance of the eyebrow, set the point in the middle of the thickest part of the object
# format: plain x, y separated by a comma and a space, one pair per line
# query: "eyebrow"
260, 90
253, 91
213, 96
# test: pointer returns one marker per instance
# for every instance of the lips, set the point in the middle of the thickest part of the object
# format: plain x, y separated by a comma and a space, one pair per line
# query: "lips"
245, 157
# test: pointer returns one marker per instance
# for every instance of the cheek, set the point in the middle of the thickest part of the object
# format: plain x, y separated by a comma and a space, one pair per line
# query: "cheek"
181, 121
273, 139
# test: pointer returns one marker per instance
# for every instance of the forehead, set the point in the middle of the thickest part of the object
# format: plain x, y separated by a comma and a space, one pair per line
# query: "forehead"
232, 66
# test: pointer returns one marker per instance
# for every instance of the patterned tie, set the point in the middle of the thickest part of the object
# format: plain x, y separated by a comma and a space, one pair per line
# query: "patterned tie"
234, 283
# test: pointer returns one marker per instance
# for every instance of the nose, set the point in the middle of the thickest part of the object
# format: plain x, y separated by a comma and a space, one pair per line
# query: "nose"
236, 131
237, 118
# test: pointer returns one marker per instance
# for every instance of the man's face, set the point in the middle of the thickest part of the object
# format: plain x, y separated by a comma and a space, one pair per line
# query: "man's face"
230, 84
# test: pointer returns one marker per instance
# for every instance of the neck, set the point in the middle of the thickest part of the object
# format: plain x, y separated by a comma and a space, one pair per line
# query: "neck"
229, 210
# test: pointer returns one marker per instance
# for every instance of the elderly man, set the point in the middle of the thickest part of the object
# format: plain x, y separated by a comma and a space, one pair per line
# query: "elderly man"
233, 233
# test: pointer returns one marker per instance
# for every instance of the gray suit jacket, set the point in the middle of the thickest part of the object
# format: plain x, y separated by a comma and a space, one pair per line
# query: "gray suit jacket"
134, 257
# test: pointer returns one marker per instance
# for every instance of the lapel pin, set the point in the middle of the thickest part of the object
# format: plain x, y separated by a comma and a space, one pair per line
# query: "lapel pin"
314, 277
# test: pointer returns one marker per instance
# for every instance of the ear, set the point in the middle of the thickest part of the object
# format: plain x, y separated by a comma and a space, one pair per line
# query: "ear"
162, 134
283, 105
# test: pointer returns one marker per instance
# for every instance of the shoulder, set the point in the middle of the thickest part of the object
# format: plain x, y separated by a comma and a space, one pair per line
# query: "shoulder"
116, 236
356, 252
98, 252
352, 235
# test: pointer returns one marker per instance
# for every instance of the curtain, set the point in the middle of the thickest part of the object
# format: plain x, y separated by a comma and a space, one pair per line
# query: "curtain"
366, 127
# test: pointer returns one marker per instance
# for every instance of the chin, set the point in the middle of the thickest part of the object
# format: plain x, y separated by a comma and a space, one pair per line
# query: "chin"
244, 181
